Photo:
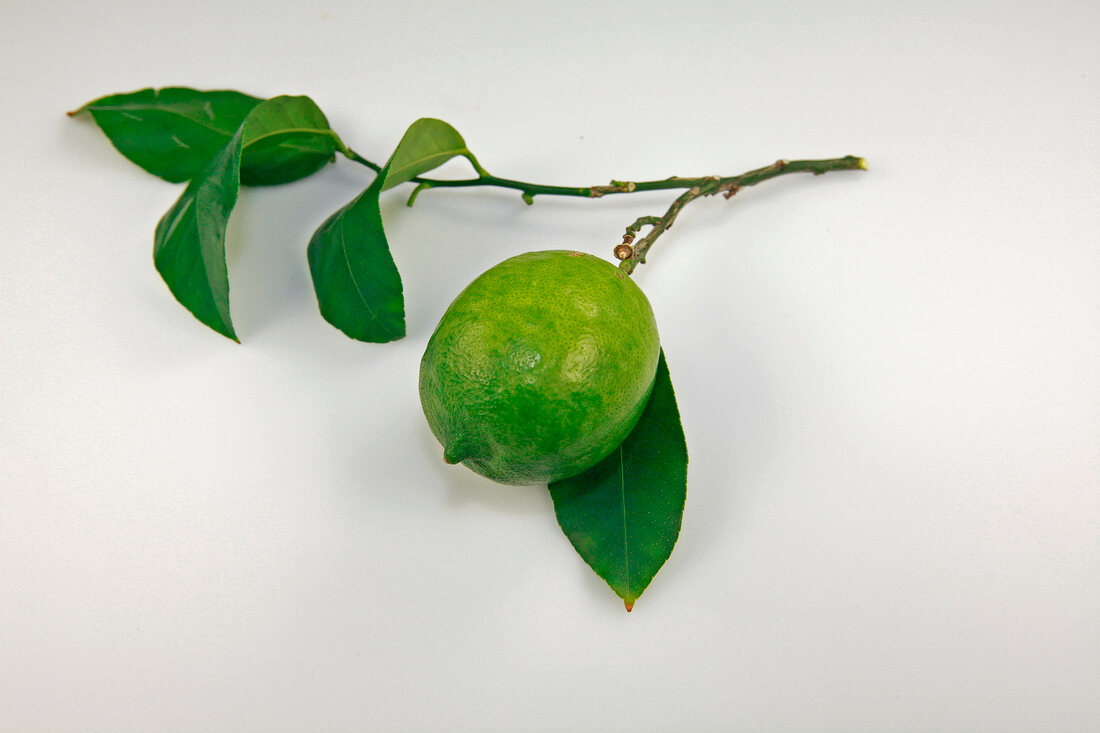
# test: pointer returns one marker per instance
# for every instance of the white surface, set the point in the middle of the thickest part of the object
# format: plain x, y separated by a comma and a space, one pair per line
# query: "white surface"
890, 381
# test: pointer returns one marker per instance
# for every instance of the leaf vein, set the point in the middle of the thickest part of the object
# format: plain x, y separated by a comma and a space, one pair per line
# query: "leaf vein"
123, 110
626, 533
289, 131
413, 164
359, 291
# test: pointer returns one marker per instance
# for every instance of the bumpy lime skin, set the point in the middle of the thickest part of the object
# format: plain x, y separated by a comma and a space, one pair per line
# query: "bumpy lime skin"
540, 367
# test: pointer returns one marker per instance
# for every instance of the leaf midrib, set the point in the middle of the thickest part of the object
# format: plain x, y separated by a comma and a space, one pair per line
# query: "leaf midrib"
358, 291
448, 154
289, 131
200, 123
158, 108
626, 534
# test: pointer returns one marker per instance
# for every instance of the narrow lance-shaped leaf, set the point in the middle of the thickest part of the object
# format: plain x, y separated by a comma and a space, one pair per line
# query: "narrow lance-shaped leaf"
623, 514
174, 132
189, 245
357, 283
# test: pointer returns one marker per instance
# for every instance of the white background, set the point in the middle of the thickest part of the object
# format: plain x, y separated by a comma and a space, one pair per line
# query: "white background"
889, 381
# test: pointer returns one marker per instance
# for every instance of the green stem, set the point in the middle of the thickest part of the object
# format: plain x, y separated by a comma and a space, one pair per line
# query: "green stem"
696, 188
531, 190
352, 155
728, 186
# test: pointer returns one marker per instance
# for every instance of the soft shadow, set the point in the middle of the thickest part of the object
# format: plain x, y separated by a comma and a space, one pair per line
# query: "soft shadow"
266, 245
465, 488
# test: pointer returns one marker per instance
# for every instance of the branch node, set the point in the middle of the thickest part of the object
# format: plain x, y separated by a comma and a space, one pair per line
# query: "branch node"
614, 187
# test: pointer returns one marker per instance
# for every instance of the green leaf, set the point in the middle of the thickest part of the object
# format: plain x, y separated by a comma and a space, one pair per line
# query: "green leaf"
189, 244
623, 514
170, 132
173, 132
286, 141
357, 283
427, 144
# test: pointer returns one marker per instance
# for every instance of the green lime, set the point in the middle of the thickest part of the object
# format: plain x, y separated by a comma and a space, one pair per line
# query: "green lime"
540, 367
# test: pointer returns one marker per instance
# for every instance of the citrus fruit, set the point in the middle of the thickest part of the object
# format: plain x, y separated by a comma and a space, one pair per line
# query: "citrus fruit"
540, 367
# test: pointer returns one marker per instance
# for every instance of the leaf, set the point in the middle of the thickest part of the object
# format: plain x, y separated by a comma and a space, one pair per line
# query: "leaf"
623, 514
189, 244
357, 284
174, 132
356, 280
427, 144
170, 132
286, 142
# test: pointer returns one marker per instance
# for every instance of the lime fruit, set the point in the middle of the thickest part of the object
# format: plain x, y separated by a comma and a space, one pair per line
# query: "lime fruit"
540, 367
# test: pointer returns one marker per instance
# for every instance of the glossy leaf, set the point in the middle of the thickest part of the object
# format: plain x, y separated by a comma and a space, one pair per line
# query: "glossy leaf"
285, 142
623, 514
427, 144
170, 132
189, 245
173, 132
357, 283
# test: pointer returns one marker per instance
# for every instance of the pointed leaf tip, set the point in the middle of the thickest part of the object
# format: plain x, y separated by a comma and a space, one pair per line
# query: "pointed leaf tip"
354, 276
623, 515
170, 132
189, 243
